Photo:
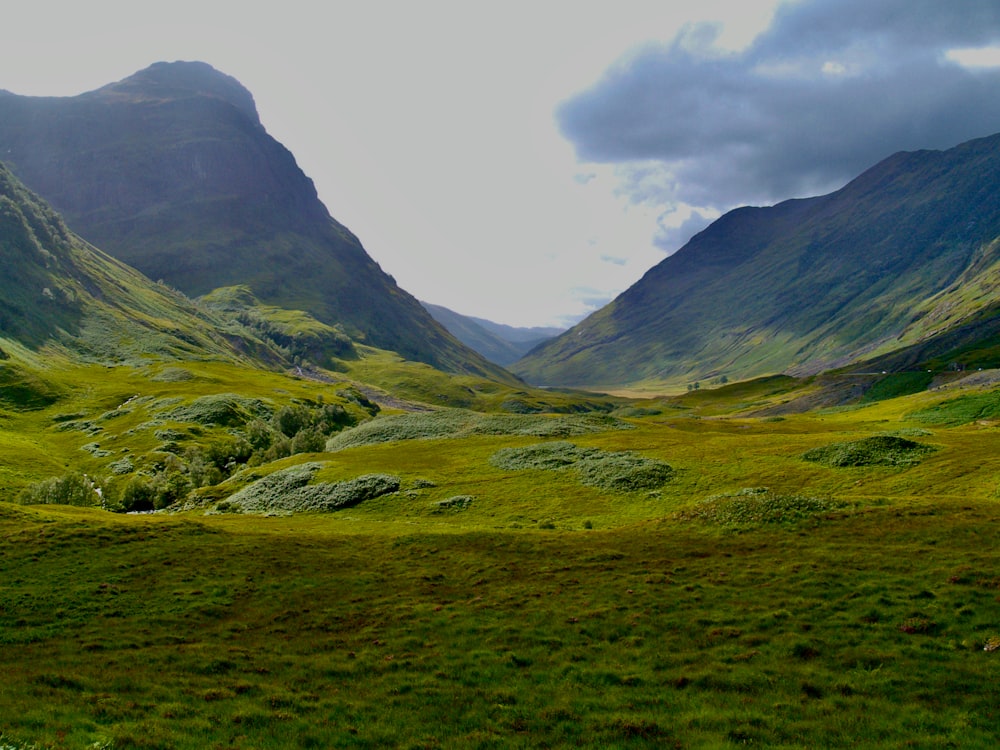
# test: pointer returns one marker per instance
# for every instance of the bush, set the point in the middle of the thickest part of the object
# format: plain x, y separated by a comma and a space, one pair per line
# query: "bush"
623, 472
458, 423
137, 496
541, 456
458, 502
617, 471
879, 450
223, 409
72, 489
289, 490
754, 506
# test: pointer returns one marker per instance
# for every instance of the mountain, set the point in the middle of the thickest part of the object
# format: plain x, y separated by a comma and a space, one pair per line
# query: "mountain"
499, 343
59, 292
899, 256
171, 171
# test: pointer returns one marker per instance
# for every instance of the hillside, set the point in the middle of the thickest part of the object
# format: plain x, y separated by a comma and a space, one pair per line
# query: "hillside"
499, 343
805, 285
172, 172
58, 291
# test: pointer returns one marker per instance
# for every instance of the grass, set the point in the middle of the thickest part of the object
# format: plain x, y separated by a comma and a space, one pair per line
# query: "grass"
480, 588
299, 632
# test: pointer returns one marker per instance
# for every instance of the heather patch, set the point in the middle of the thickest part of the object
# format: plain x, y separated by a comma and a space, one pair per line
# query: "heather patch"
459, 423
755, 506
289, 490
616, 471
878, 450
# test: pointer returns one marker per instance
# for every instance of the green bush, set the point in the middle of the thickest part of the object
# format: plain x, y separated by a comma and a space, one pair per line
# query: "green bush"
623, 472
541, 456
289, 490
458, 502
459, 423
223, 409
878, 450
755, 506
616, 471
72, 489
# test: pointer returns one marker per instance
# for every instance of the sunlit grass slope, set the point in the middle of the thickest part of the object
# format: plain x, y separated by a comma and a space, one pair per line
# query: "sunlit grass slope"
498, 598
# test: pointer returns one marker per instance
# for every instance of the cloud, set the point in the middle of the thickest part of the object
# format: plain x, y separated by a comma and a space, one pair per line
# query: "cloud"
828, 90
672, 236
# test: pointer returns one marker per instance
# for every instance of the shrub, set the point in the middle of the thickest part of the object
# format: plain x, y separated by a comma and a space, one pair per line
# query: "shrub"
617, 471
754, 506
458, 502
458, 423
289, 490
123, 465
224, 409
878, 450
541, 456
138, 495
623, 471
309, 440
72, 489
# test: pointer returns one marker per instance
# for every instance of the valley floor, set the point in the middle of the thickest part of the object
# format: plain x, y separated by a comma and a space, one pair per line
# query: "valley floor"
871, 629
845, 605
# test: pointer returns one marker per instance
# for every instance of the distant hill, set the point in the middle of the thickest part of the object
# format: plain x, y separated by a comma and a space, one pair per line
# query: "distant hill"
499, 343
171, 171
898, 258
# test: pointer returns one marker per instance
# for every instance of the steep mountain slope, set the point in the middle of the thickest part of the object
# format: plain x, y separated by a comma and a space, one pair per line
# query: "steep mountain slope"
171, 171
499, 343
802, 286
59, 291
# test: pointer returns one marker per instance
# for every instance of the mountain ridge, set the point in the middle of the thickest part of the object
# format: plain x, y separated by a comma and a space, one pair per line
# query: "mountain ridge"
802, 286
498, 342
171, 171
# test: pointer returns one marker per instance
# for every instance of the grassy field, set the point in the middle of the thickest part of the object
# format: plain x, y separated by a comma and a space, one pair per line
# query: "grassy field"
504, 598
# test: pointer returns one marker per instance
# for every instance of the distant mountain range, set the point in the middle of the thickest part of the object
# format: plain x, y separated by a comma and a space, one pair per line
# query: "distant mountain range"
900, 266
172, 172
499, 343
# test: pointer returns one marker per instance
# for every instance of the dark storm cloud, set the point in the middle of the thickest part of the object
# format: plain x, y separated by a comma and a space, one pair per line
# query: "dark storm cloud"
831, 88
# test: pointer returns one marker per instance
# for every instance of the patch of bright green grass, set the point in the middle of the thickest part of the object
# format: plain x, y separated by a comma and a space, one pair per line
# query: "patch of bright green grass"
961, 410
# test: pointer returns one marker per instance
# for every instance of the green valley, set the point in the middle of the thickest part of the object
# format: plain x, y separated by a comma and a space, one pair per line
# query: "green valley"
283, 509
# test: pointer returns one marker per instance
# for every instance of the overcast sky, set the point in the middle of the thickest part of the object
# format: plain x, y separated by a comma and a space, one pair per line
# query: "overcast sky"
527, 161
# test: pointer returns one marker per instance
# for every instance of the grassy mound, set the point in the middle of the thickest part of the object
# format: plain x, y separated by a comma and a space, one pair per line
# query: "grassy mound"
879, 450
458, 423
755, 506
617, 471
289, 490
225, 409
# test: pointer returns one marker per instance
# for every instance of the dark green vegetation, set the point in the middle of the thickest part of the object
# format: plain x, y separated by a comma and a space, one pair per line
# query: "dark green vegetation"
878, 450
172, 172
902, 263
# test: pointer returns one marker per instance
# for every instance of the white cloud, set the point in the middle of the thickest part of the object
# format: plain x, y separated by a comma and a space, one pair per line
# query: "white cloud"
977, 57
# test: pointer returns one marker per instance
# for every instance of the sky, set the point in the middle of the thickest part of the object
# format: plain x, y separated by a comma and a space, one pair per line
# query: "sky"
526, 162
